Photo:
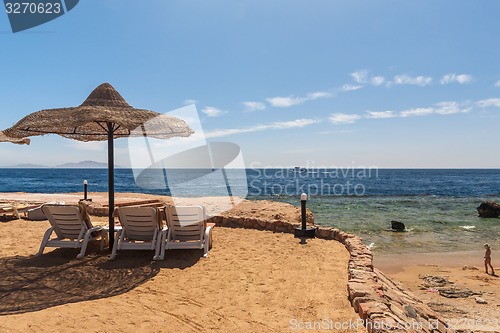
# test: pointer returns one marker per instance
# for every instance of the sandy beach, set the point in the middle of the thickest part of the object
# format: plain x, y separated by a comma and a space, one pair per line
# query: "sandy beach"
252, 281
479, 312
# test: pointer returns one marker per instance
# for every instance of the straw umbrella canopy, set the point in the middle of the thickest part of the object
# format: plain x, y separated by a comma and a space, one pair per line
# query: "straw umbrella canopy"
6, 138
104, 115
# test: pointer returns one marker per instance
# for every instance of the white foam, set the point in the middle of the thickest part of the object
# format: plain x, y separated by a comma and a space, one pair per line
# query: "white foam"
468, 227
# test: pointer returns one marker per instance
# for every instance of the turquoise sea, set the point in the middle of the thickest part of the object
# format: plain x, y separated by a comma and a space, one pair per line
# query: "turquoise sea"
438, 206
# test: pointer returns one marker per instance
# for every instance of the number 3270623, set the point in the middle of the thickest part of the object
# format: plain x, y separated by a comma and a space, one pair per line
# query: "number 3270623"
33, 8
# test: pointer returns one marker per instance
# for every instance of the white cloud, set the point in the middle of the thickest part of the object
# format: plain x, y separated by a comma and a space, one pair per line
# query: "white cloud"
351, 87
284, 102
317, 95
418, 80
360, 76
417, 112
452, 78
253, 106
446, 108
442, 108
342, 118
377, 80
212, 112
190, 101
298, 123
484, 103
380, 114
497, 84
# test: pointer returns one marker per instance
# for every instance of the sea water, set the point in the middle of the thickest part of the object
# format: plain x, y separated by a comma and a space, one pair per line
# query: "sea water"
438, 207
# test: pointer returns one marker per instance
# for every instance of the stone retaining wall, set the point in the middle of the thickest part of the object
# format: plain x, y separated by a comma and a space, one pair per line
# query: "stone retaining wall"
384, 305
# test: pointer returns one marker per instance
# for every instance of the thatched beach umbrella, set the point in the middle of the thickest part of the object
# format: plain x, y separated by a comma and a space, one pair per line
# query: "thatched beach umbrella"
105, 115
6, 138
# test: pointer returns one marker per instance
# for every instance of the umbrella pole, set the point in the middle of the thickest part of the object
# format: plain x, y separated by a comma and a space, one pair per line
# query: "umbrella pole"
111, 186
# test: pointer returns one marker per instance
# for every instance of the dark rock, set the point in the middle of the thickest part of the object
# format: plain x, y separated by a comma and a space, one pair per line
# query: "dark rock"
457, 293
431, 281
398, 226
489, 209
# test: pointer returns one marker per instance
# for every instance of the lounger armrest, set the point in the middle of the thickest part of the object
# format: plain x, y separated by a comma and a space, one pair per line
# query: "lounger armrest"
92, 231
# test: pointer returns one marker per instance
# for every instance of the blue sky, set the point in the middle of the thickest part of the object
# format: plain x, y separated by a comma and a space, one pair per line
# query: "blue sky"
316, 83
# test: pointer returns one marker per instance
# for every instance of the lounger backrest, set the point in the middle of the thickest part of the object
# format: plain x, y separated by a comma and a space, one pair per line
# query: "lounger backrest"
187, 223
139, 223
66, 220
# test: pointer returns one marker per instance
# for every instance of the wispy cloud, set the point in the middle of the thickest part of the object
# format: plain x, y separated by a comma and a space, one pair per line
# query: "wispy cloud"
456, 78
253, 106
360, 76
284, 102
351, 87
416, 112
298, 123
484, 103
446, 108
380, 114
343, 118
190, 101
212, 112
317, 95
417, 80
442, 108
377, 80
497, 84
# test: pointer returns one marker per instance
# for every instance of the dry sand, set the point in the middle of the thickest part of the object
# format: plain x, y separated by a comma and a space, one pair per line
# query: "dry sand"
252, 281
465, 270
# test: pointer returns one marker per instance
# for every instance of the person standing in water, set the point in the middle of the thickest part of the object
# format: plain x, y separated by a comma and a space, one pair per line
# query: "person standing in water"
487, 259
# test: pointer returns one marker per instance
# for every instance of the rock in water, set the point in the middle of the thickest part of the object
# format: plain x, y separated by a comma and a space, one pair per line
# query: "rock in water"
398, 226
489, 209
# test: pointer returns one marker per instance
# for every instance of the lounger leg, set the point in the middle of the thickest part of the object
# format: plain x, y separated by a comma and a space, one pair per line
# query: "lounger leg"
84, 245
45, 239
115, 245
158, 245
164, 243
104, 239
208, 241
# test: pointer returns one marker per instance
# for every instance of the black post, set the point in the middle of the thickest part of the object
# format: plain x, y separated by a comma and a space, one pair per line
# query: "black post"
111, 185
304, 232
85, 190
303, 200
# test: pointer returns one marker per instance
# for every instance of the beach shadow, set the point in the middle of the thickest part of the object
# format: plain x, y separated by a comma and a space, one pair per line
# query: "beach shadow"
35, 283
180, 259
32, 283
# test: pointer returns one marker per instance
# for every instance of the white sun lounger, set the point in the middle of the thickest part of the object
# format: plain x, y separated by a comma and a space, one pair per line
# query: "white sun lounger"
72, 227
141, 229
187, 229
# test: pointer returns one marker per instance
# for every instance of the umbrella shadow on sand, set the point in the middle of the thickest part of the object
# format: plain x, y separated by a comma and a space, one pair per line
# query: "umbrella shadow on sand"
35, 283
